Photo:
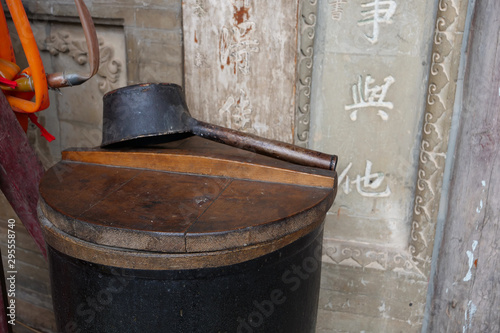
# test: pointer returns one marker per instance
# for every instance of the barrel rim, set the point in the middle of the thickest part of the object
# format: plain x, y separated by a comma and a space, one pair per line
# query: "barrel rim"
135, 259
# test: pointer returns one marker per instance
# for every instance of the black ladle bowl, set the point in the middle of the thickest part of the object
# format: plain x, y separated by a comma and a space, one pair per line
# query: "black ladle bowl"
157, 112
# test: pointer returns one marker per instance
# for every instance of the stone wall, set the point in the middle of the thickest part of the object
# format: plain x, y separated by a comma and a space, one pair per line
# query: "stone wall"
384, 86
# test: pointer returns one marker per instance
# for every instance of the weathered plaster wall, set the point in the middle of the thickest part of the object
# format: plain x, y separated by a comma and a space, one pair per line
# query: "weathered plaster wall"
240, 64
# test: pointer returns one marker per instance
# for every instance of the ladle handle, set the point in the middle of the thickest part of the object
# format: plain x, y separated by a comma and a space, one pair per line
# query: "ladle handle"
273, 148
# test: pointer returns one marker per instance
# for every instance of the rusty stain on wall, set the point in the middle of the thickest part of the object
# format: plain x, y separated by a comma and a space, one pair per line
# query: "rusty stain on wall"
241, 14
235, 42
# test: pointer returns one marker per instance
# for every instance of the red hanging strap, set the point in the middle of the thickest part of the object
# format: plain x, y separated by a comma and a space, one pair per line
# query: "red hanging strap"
34, 119
9, 83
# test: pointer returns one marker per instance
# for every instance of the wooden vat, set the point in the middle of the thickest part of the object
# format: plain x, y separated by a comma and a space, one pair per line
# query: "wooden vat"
189, 236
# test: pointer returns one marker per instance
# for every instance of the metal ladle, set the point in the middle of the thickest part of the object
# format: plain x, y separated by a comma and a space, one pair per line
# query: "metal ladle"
153, 113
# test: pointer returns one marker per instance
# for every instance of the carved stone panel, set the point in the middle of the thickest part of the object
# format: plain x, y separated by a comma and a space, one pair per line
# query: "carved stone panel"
240, 64
384, 86
75, 114
369, 79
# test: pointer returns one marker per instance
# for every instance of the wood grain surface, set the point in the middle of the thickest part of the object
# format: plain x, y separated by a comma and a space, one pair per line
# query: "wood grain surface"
201, 156
466, 295
129, 200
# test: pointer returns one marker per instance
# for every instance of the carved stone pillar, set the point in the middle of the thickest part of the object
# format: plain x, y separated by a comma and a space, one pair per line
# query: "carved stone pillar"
443, 77
384, 89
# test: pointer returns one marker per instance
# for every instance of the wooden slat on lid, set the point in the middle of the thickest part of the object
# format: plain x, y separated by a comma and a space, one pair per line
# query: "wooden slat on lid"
204, 157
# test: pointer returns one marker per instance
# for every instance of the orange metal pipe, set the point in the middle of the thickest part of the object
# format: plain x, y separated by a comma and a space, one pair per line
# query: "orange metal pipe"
34, 60
8, 69
6, 51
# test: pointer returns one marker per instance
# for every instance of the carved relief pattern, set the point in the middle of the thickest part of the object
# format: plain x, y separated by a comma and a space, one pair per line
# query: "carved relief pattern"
76, 48
443, 74
369, 256
307, 27
109, 69
437, 120
63, 42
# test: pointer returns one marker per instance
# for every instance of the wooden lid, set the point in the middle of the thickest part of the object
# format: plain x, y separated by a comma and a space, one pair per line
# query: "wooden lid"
191, 197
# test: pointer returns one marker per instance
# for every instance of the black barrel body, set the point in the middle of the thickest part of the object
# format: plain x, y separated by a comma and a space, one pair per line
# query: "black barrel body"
277, 292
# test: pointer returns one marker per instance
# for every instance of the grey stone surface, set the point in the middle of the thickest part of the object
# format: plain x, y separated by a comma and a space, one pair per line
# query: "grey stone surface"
369, 300
367, 106
379, 146
370, 74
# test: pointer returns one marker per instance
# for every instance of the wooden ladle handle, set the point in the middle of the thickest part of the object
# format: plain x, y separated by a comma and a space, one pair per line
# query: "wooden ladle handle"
273, 148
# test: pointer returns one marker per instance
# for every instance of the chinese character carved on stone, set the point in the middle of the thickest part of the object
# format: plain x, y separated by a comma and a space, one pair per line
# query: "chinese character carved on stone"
376, 12
368, 96
337, 8
366, 185
236, 113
